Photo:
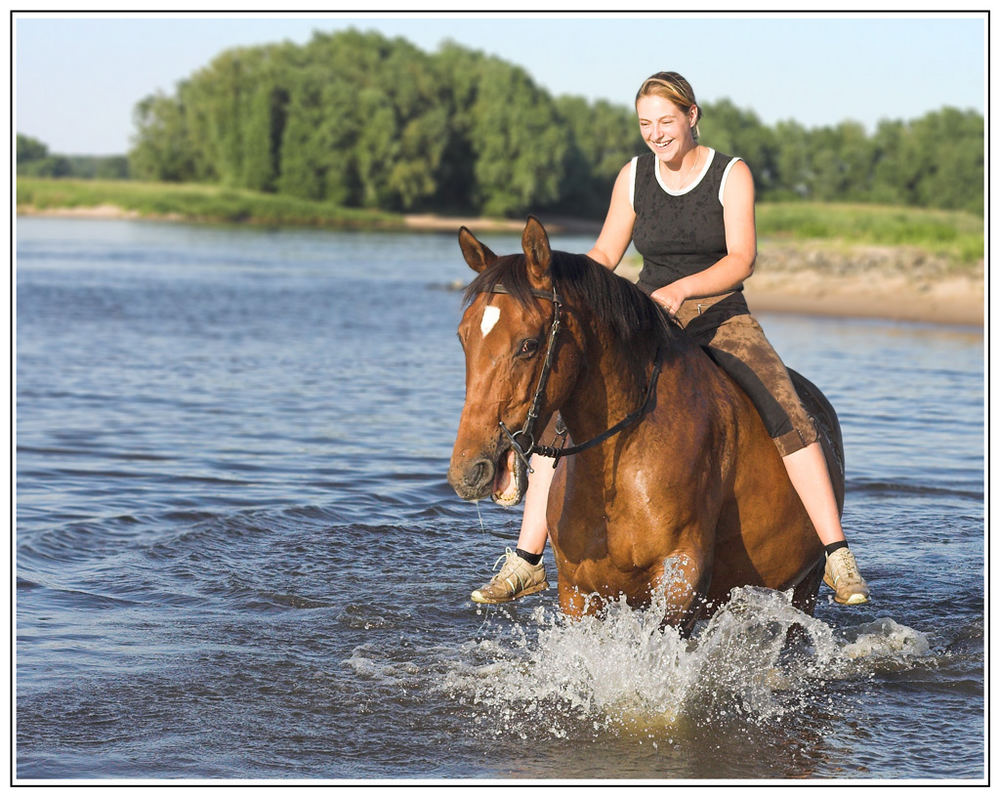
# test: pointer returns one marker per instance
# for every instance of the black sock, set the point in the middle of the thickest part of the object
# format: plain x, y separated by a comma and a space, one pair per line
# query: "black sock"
530, 558
835, 546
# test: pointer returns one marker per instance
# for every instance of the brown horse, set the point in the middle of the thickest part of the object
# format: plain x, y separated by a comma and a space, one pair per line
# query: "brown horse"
676, 478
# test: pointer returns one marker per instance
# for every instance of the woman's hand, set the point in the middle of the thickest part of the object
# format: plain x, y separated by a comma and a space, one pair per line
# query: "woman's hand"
670, 297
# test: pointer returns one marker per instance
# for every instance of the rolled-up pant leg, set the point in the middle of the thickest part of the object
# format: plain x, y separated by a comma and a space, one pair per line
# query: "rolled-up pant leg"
740, 348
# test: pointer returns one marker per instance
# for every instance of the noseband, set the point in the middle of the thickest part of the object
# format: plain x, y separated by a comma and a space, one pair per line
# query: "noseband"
523, 441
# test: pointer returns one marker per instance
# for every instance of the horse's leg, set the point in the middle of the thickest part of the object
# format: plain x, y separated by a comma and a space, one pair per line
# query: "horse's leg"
804, 599
684, 580
805, 592
576, 604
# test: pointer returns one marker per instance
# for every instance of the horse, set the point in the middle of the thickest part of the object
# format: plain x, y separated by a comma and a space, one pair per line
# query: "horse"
677, 479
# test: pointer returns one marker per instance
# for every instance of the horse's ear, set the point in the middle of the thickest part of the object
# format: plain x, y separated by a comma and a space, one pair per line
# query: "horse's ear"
535, 242
477, 254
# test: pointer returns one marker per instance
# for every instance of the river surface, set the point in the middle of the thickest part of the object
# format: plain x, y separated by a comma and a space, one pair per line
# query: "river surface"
237, 556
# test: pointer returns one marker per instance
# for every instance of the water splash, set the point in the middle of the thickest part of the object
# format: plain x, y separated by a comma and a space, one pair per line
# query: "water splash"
758, 660
886, 639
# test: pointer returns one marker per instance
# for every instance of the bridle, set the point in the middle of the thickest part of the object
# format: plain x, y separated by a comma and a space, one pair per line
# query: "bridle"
523, 441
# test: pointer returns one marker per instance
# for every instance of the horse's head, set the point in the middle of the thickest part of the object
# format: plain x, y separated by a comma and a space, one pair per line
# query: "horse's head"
505, 333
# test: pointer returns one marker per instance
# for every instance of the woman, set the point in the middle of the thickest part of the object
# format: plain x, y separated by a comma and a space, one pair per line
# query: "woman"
690, 212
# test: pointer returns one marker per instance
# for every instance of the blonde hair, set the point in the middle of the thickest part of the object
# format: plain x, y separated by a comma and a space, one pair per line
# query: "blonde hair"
671, 86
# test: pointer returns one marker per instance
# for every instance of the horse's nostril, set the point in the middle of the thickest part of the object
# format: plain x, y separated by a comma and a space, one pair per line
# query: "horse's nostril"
472, 482
481, 473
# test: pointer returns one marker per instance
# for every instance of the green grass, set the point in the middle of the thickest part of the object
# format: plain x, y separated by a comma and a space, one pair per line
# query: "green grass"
187, 201
956, 235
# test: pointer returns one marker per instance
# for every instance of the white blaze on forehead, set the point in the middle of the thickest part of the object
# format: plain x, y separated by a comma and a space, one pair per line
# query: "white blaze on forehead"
490, 317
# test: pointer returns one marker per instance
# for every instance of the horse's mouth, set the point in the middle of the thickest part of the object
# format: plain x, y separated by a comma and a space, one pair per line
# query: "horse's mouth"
510, 480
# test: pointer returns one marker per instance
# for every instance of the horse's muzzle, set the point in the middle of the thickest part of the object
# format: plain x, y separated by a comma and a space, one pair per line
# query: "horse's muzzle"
473, 481
504, 480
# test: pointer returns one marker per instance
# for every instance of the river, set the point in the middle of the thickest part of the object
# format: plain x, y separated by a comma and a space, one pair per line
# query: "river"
237, 556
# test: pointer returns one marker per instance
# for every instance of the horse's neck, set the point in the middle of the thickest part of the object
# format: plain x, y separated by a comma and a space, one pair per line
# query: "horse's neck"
611, 386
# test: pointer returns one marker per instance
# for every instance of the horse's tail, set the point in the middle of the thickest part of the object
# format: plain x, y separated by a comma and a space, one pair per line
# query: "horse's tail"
828, 426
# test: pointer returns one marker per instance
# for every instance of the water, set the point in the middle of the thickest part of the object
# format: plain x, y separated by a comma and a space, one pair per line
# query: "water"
237, 556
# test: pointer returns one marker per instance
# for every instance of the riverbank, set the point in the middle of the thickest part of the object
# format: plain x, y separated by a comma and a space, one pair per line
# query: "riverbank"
418, 222
899, 283
888, 283
896, 283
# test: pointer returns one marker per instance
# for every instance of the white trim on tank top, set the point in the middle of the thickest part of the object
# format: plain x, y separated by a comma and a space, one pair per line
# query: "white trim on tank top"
690, 186
725, 176
711, 157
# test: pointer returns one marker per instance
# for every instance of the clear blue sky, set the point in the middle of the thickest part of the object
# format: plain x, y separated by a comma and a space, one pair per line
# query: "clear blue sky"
77, 78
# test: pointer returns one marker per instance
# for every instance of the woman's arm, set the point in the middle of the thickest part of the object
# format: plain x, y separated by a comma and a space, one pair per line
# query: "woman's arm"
741, 245
616, 234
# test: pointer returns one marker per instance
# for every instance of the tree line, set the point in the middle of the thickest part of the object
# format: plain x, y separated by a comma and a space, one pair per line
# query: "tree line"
362, 120
35, 160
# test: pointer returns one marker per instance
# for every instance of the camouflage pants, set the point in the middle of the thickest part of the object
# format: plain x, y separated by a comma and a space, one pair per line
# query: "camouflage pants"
739, 347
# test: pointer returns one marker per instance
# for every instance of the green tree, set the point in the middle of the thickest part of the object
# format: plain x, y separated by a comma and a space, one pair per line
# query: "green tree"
316, 158
601, 138
30, 149
892, 178
948, 144
360, 119
161, 149
518, 144
792, 162
736, 131
841, 159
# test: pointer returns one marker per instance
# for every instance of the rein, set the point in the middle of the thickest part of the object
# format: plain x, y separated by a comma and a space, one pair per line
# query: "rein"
526, 432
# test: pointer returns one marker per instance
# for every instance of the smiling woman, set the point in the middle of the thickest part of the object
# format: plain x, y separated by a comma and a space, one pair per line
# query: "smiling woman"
694, 226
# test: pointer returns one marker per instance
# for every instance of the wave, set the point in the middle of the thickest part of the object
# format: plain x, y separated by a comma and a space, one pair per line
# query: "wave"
887, 488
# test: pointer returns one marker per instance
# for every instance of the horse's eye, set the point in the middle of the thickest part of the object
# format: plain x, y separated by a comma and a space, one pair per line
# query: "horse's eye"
527, 348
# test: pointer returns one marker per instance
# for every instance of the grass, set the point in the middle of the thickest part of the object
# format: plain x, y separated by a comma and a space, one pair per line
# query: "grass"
206, 203
955, 235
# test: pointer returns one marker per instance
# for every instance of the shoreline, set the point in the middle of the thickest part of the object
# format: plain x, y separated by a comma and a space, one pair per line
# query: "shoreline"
875, 294
888, 283
956, 301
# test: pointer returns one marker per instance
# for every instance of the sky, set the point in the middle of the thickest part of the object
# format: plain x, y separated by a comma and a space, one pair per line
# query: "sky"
78, 76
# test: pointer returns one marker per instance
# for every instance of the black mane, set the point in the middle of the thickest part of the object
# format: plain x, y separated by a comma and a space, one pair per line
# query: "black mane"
628, 312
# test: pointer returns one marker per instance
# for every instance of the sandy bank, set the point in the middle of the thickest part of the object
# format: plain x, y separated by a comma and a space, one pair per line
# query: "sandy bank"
555, 225
892, 283
954, 300
95, 212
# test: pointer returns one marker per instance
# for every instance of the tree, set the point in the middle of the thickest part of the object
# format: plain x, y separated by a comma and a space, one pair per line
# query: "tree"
518, 145
161, 150
360, 119
736, 131
30, 149
601, 138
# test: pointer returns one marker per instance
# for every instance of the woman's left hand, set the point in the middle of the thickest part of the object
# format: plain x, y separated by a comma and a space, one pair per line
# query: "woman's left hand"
670, 297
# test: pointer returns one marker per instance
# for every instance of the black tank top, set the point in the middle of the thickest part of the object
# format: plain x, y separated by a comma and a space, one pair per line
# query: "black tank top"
678, 233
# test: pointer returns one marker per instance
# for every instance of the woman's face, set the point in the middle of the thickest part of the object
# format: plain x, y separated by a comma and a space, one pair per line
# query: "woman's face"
665, 128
